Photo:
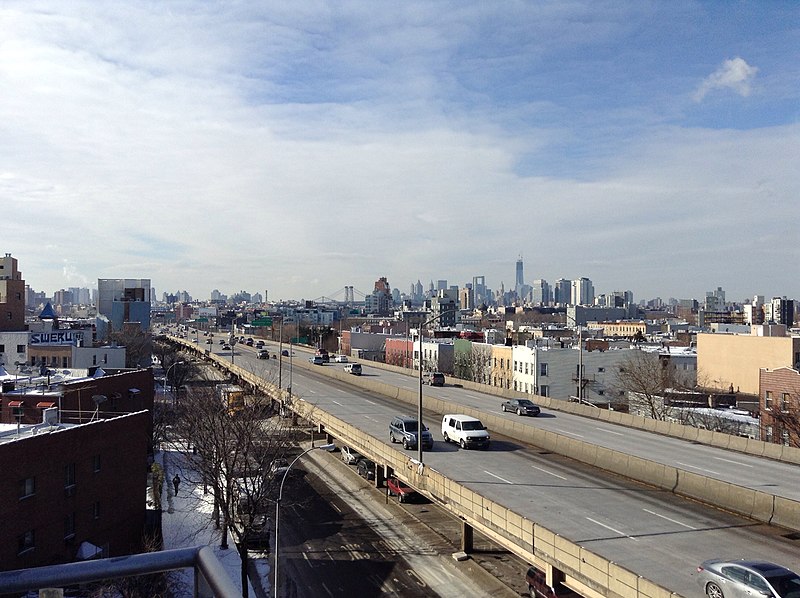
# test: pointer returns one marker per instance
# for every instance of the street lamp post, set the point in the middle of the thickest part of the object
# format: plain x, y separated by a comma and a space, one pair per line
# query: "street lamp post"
166, 380
420, 425
324, 447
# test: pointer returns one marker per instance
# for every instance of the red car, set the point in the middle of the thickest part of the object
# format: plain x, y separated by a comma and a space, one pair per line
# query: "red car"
400, 489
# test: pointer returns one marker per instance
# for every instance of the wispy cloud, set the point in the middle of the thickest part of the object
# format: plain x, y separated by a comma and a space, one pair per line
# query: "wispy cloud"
734, 74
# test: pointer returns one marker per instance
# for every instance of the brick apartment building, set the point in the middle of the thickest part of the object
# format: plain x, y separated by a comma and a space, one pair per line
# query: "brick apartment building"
72, 491
779, 405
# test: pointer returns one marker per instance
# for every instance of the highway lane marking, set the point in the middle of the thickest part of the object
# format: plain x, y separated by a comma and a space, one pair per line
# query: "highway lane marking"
568, 433
368, 401
322, 583
732, 461
555, 475
336, 403
698, 468
668, 519
608, 527
610, 432
370, 418
338, 510
497, 476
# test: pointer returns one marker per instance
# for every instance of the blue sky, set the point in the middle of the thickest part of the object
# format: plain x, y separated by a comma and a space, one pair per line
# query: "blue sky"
301, 147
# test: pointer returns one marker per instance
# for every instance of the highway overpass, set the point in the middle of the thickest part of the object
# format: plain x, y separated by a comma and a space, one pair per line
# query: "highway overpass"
608, 536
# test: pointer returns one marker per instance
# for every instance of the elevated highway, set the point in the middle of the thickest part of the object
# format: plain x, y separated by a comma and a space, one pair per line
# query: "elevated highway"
606, 535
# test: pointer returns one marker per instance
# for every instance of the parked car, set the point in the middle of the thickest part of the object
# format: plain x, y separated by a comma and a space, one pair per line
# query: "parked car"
521, 407
263, 354
401, 490
350, 456
366, 468
538, 588
433, 378
278, 467
257, 535
353, 368
722, 578
405, 428
465, 430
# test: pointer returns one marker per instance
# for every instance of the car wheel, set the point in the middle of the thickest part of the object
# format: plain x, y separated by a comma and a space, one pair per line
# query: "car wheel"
446, 437
405, 444
400, 498
519, 411
462, 444
391, 437
714, 591
503, 407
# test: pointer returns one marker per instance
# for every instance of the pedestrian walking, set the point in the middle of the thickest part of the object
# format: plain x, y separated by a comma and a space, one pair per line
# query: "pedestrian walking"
176, 481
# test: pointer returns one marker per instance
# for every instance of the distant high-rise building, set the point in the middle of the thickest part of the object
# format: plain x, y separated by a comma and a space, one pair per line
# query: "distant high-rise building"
780, 311
541, 292
715, 300
479, 290
441, 285
380, 301
466, 298
582, 292
562, 290
123, 300
12, 296
520, 279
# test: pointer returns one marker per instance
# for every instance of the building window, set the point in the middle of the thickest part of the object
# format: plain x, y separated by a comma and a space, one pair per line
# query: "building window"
27, 487
545, 390
526, 368
785, 401
26, 542
543, 370
20, 348
69, 476
69, 526
96, 463
96, 510
768, 399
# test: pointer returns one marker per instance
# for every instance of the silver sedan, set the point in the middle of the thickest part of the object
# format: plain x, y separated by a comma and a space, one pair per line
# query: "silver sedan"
739, 579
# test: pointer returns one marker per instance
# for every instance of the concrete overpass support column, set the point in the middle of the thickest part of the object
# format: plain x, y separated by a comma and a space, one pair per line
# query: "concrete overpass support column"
380, 475
553, 576
467, 537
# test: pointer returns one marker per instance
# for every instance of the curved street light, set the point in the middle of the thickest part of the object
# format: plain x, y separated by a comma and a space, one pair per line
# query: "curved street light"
324, 447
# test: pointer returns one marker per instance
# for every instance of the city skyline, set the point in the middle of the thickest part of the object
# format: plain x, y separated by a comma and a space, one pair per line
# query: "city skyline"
297, 149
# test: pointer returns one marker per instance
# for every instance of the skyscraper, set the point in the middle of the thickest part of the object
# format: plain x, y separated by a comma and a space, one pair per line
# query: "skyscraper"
520, 280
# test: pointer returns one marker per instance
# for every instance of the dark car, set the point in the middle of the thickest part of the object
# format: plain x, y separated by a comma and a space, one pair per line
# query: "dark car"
285, 353
721, 578
263, 354
401, 490
366, 469
404, 428
538, 588
256, 535
521, 407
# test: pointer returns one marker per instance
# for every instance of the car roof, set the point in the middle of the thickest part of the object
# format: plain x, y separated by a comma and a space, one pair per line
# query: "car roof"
406, 418
762, 567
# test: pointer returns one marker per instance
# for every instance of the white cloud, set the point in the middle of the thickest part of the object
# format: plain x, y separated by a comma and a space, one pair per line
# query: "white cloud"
734, 74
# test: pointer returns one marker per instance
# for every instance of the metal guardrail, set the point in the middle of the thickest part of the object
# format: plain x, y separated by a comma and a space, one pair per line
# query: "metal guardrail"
210, 578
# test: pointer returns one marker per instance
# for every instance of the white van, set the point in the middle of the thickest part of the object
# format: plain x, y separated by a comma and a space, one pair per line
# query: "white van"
465, 430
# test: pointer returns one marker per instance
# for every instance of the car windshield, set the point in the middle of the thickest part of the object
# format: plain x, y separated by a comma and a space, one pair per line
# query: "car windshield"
472, 425
787, 586
411, 426
524, 403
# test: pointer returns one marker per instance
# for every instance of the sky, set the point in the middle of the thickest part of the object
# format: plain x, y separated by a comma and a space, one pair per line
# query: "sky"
296, 148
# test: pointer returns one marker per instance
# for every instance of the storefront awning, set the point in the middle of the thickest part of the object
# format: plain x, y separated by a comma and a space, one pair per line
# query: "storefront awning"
16, 403
45, 404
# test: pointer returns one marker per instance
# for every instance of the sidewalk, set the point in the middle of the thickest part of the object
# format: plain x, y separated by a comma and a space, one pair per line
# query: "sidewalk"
186, 521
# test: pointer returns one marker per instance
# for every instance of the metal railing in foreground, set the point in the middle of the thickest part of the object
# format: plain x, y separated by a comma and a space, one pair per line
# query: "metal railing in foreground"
210, 578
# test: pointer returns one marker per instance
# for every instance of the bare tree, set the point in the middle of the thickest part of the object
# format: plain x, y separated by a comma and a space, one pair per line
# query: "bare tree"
646, 380
474, 364
138, 345
238, 457
783, 414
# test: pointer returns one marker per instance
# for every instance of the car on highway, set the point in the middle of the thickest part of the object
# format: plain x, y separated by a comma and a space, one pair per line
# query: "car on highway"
226, 347
721, 578
285, 353
317, 360
521, 407
433, 378
263, 354
353, 368
404, 428
538, 588
340, 359
209, 341
400, 489
350, 456
366, 468
259, 344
